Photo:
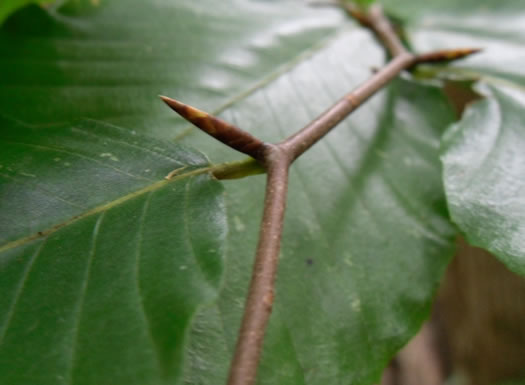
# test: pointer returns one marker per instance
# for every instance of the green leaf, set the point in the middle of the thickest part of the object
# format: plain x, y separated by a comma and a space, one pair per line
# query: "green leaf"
367, 235
502, 43
483, 162
484, 173
415, 10
494, 26
207, 53
105, 291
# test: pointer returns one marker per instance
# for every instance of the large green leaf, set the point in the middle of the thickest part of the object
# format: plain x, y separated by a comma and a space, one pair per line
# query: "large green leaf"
366, 238
494, 26
103, 263
484, 172
484, 165
416, 10
502, 43
110, 61
40, 175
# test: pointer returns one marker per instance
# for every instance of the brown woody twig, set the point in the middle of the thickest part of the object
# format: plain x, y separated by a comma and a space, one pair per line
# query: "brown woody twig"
276, 159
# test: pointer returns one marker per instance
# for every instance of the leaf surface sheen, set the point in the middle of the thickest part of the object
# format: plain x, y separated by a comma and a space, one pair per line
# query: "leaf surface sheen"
205, 53
366, 236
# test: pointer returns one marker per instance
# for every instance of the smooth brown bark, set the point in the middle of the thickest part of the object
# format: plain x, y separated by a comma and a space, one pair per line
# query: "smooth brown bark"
259, 302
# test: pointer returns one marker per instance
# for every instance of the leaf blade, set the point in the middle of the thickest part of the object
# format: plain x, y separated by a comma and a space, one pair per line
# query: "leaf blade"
485, 211
120, 274
322, 223
483, 168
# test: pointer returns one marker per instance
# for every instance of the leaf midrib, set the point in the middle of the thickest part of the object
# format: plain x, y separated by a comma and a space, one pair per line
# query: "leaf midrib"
106, 206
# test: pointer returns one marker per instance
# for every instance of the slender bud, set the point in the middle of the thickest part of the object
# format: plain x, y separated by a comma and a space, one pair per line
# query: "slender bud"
226, 133
446, 55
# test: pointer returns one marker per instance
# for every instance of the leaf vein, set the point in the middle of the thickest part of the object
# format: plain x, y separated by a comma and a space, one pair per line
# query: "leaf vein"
138, 255
188, 232
60, 150
143, 149
81, 299
20, 289
103, 207
49, 194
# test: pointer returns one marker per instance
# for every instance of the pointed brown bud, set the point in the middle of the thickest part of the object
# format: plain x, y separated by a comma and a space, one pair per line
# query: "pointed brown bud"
228, 134
446, 55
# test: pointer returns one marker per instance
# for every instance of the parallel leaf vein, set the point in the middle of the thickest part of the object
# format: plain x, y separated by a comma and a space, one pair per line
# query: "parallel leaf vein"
49, 194
59, 150
140, 236
20, 289
103, 207
80, 303
127, 144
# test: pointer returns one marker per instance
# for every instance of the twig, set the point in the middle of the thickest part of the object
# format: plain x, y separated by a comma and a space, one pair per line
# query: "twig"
376, 20
276, 159
259, 302
309, 135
